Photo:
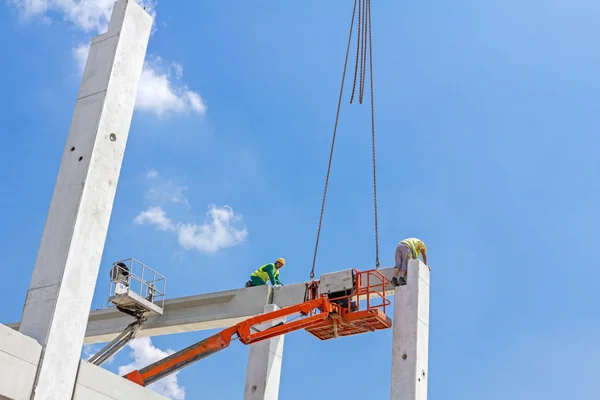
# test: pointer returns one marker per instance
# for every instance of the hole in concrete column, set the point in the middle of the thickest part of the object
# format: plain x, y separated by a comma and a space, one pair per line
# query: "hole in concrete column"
112, 137
254, 388
73, 148
80, 158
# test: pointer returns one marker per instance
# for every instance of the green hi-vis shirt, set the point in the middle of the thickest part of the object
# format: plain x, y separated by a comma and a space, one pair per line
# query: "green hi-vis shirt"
415, 245
267, 272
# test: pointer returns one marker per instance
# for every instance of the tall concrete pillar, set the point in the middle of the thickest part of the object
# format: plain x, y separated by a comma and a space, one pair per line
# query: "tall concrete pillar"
410, 339
62, 285
264, 365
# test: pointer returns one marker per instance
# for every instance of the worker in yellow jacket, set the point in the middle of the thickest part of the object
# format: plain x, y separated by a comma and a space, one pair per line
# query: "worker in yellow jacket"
407, 249
266, 273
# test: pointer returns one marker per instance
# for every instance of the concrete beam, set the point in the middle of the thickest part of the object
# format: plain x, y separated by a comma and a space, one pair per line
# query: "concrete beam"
184, 314
19, 359
96, 383
201, 312
62, 284
410, 336
264, 364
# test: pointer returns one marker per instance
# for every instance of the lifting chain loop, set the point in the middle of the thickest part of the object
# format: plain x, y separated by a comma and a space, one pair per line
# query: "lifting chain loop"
364, 40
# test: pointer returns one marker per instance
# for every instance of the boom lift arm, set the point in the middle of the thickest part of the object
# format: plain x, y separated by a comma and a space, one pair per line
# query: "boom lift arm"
315, 312
333, 313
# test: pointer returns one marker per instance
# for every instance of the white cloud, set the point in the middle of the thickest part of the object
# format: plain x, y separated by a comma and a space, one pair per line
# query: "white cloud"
164, 191
88, 351
221, 229
145, 353
178, 70
158, 94
91, 16
155, 216
195, 101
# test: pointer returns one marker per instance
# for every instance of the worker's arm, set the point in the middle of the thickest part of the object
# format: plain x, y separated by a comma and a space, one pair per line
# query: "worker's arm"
278, 281
269, 270
424, 253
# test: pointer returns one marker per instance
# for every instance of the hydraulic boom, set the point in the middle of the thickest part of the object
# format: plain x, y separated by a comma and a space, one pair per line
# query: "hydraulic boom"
319, 308
326, 317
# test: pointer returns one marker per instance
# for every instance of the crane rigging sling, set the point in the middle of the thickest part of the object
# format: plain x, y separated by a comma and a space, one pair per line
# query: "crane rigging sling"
364, 54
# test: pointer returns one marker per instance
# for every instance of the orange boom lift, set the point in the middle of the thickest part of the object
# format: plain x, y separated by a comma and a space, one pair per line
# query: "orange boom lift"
326, 314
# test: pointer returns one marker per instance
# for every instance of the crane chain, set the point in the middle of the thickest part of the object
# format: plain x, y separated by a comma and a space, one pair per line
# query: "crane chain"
368, 3
363, 25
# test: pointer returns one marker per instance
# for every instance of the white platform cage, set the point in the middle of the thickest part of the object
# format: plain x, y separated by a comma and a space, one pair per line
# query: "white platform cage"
136, 287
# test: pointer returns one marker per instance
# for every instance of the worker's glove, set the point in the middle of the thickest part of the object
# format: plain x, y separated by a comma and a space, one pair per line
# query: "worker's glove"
276, 286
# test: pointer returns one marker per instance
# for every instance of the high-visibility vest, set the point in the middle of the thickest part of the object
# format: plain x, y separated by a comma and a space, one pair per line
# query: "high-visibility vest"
263, 275
414, 245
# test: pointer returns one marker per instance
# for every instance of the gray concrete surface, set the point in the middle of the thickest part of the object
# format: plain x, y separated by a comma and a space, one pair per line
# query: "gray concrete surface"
19, 358
62, 285
264, 364
410, 336
96, 383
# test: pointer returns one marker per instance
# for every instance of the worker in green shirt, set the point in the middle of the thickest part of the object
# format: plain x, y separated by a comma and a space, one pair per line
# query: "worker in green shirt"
268, 272
407, 249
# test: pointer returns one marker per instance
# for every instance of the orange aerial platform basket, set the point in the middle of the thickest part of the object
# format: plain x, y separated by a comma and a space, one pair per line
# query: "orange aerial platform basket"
348, 290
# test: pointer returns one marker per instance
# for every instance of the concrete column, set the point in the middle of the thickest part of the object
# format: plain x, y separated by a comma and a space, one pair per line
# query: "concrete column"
62, 285
264, 365
410, 342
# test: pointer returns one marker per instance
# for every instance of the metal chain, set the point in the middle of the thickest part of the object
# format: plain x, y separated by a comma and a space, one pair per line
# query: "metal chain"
337, 116
363, 25
373, 136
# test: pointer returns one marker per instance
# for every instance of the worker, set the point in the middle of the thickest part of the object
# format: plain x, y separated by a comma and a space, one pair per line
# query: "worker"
119, 273
407, 249
268, 272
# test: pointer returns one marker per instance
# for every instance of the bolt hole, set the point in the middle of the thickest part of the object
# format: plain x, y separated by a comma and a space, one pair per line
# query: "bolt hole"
113, 137
73, 148
80, 158
254, 388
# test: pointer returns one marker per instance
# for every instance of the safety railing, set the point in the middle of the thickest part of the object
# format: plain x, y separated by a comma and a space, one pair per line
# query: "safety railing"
369, 292
369, 287
372, 285
131, 275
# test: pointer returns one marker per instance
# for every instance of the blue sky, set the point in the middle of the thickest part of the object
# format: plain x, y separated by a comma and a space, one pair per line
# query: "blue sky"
487, 121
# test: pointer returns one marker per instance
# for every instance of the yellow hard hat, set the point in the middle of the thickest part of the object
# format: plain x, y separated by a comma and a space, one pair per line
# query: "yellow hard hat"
281, 260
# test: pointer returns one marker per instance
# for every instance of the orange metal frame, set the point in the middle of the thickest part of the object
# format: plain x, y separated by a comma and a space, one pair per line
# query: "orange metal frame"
323, 317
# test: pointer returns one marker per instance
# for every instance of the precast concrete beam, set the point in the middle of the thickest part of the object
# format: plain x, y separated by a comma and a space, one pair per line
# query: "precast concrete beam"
19, 359
184, 314
201, 312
